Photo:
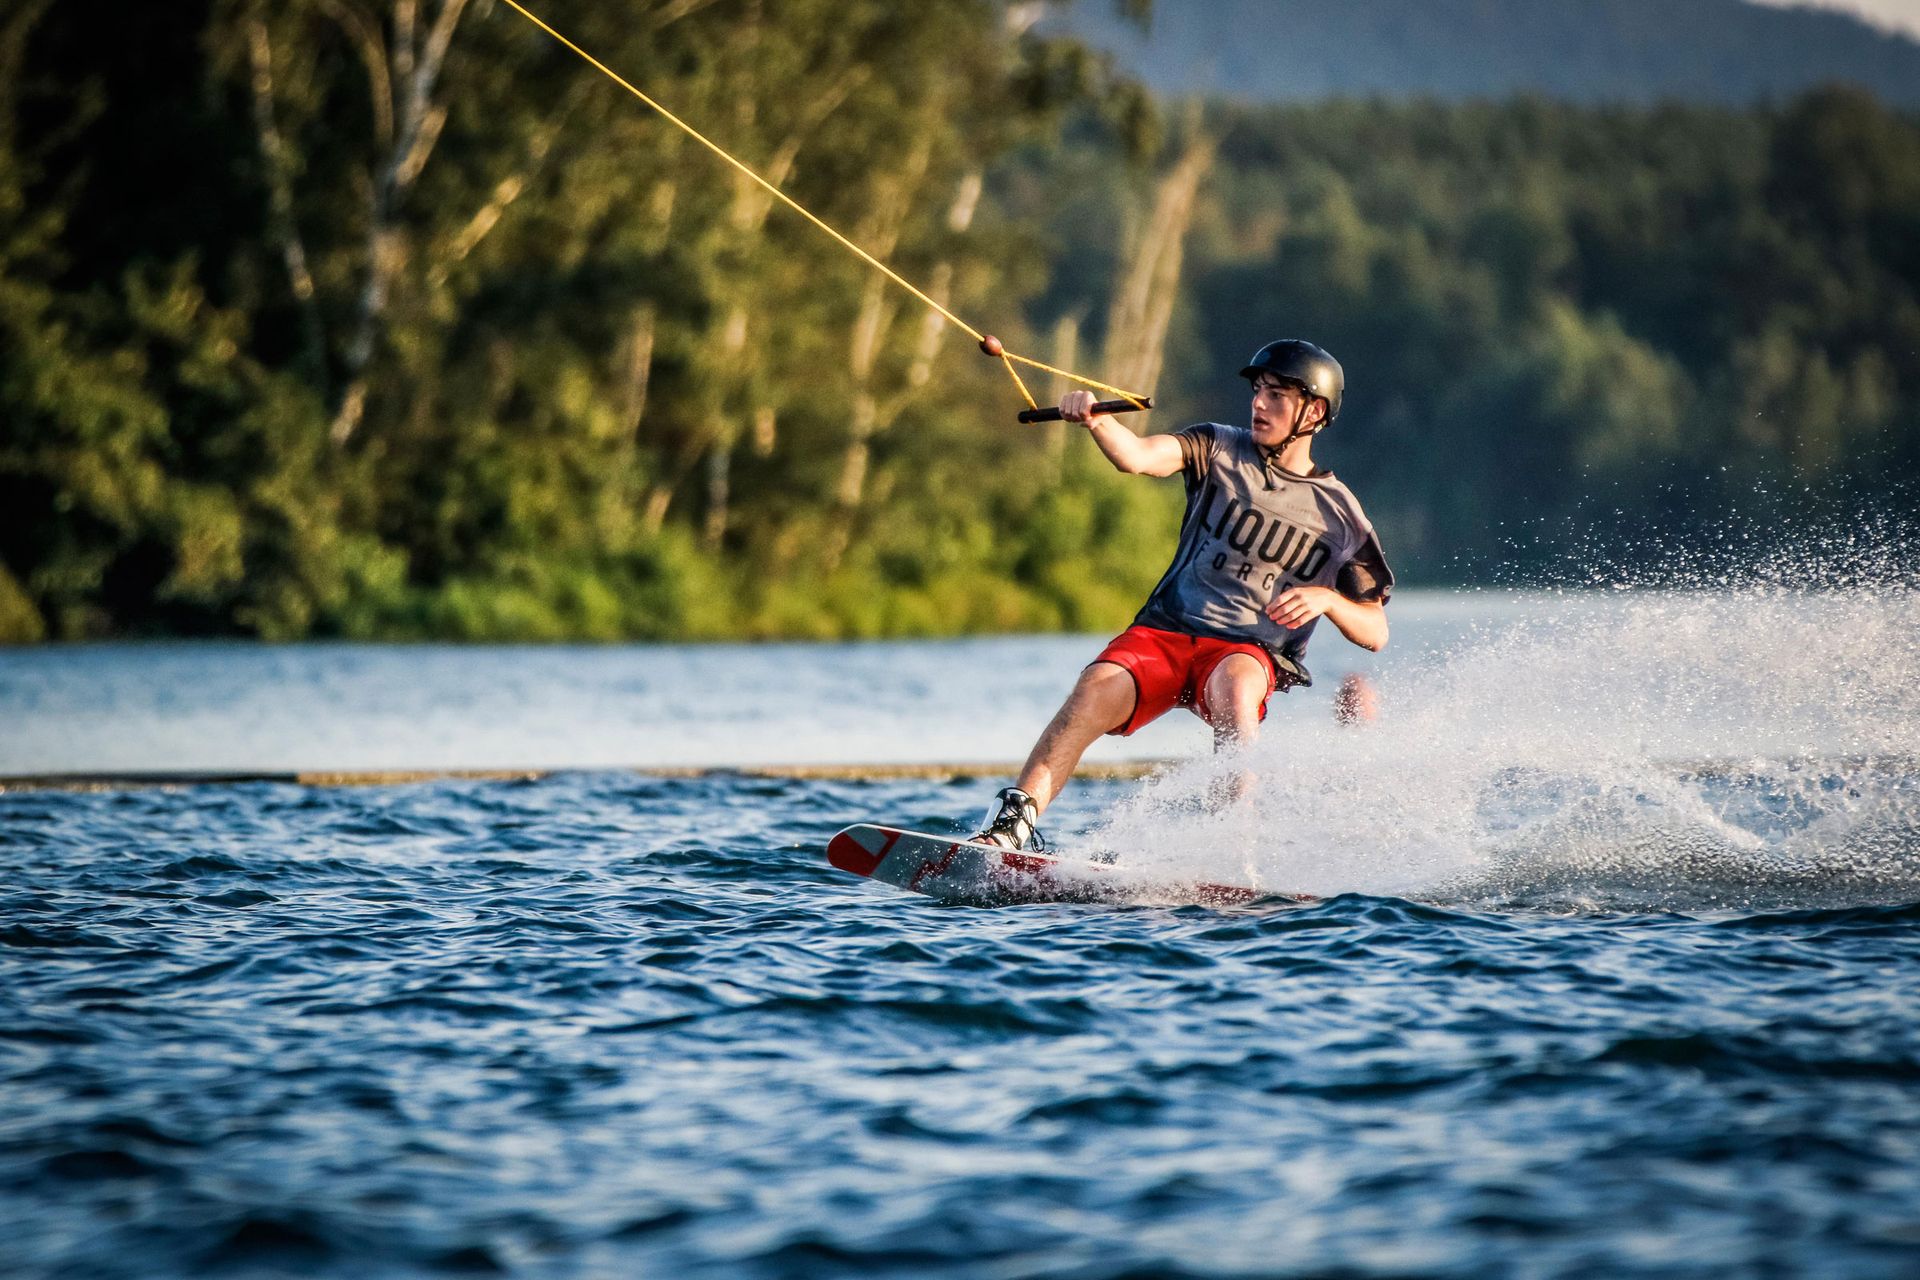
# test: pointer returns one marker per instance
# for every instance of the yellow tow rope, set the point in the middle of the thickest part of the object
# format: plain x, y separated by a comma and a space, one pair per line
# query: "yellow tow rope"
988, 343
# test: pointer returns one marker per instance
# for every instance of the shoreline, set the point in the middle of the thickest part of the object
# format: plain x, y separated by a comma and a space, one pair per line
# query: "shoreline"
1122, 770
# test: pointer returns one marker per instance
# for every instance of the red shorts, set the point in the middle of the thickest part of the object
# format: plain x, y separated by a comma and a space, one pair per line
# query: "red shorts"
1170, 669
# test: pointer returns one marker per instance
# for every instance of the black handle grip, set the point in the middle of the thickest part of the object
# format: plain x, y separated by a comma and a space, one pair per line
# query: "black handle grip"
1102, 406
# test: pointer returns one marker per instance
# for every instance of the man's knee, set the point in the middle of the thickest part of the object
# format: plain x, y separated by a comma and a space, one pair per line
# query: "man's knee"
1104, 691
1104, 677
1236, 689
1107, 691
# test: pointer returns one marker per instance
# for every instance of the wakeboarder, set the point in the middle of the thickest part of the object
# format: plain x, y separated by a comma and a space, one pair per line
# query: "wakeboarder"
1269, 545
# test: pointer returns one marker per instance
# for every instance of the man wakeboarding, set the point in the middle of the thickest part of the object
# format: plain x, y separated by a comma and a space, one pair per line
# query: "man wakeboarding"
1269, 545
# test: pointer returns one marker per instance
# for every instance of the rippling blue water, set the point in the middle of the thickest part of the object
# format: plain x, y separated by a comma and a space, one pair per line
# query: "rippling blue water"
603, 1025
1615, 971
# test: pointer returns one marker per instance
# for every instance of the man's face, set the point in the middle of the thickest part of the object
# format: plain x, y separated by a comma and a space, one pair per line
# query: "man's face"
1276, 404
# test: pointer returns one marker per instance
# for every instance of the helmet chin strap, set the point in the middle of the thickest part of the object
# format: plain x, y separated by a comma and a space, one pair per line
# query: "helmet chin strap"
1299, 421
1298, 428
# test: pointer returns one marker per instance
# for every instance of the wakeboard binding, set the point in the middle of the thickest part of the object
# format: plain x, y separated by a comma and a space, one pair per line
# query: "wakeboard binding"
1011, 824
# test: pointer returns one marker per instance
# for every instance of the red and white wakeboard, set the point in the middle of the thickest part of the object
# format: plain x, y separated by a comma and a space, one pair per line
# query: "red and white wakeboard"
987, 874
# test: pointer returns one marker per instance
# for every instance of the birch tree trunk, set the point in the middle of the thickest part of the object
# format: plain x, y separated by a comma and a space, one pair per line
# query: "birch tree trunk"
869, 418
280, 209
752, 204
415, 57
1066, 353
1148, 287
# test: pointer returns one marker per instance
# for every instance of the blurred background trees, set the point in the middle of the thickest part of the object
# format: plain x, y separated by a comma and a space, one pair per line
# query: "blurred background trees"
391, 318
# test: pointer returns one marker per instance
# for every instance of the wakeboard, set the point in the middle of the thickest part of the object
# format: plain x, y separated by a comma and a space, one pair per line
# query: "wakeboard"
988, 875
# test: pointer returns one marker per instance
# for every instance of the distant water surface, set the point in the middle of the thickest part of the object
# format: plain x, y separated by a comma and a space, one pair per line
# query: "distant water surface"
235, 707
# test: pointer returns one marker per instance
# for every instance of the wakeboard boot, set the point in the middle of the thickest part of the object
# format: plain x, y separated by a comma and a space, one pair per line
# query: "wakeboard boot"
1011, 824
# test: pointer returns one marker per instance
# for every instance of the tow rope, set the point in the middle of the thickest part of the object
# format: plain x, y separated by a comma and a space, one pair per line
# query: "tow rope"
989, 344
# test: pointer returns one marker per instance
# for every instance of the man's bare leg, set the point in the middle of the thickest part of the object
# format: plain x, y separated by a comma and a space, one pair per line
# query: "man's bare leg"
1102, 699
1235, 690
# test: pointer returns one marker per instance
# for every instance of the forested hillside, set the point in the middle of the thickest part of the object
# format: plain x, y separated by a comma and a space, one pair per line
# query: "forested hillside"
1573, 331
336, 317
1596, 51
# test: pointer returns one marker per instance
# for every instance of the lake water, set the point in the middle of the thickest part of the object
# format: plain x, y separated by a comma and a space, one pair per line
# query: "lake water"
240, 707
1615, 972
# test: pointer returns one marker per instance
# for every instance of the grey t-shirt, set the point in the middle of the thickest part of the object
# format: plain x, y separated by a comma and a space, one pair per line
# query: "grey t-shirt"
1251, 531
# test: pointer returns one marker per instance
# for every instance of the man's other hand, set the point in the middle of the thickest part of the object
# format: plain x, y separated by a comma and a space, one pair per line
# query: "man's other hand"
1297, 606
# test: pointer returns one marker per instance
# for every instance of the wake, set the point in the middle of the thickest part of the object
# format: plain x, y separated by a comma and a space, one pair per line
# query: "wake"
1749, 748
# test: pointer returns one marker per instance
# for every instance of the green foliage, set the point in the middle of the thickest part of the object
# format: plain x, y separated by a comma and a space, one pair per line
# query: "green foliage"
1538, 303
611, 391
20, 621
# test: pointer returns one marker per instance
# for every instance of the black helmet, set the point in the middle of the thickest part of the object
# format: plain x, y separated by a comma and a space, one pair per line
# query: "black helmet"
1302, 362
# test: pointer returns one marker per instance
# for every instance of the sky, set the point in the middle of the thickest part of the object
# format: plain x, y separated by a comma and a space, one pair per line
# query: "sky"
1897, 15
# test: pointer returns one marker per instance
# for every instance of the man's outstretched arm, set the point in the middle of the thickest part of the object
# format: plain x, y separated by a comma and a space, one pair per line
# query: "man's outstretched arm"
1130, 453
